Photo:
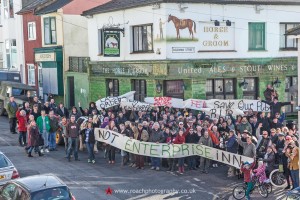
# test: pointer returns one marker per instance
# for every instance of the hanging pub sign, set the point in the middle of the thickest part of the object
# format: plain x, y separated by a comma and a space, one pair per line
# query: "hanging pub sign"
111, 44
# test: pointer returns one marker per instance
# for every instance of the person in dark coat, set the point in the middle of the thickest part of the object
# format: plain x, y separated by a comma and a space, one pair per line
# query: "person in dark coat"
231, 146
89, 138
192, 138
269, 93
275, 105
269, 159
62, 111
33, 131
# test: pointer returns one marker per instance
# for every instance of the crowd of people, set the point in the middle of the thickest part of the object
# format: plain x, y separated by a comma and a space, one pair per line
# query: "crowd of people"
257, 135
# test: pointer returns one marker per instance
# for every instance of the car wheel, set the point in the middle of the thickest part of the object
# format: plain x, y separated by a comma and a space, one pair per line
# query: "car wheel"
59, 138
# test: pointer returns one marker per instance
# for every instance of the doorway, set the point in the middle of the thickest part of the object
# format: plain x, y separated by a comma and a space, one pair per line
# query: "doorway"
71, 91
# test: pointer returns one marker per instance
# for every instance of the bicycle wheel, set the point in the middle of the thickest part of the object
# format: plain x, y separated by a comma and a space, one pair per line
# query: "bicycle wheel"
268, 187
239, 192
263, 191
277, 178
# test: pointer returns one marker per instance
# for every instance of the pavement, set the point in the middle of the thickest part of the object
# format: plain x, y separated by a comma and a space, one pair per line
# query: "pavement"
103, 181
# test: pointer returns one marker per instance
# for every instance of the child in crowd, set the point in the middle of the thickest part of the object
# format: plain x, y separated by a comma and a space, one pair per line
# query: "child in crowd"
246, 168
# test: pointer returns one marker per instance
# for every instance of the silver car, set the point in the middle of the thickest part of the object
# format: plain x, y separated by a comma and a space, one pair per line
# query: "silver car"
7, 170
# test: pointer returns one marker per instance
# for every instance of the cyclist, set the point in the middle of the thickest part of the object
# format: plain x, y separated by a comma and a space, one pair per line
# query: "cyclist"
246, 168
260, 171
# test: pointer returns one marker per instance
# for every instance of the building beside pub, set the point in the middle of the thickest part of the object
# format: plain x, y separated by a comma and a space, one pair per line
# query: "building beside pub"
188, 50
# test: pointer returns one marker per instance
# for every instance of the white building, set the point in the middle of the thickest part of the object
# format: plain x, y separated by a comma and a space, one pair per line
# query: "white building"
12, 35
218, 44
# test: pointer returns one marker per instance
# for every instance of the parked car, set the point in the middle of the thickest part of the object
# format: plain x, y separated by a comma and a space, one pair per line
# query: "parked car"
7, 170
37, 187
20, 91
293, 194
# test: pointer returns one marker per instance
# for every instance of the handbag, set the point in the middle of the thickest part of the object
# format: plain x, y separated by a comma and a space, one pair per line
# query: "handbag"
40, 140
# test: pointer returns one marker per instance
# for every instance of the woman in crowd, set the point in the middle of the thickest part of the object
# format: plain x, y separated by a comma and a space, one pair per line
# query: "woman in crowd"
34, 139
62, 127
180, 139
112, 149
22, 126
89, 138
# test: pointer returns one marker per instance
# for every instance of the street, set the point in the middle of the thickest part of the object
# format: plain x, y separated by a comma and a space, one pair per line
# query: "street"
104, 181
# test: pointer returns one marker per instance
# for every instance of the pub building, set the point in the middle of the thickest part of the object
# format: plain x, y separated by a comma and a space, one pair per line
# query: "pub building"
220, 55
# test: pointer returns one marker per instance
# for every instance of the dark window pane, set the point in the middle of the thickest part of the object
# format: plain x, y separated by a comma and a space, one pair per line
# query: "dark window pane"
142, 38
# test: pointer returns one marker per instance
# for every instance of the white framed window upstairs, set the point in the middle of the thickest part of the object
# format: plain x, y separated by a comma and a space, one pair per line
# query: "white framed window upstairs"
31, 74
31, 31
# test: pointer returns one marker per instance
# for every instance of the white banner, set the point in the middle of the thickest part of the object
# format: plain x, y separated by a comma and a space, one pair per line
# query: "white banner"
217, 112
109, 102
135, 105
164, 150
235, 104
165, 101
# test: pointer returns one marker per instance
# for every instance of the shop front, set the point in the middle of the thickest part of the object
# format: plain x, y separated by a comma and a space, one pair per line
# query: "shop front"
50, 71
199, 79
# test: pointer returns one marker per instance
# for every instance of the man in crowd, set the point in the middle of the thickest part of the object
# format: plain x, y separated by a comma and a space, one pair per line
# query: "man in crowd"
11, 109
52, 132
72, 133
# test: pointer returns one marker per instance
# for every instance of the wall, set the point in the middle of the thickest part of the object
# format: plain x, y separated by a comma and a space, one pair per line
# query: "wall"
81, 88
29, 45
272, 15
75, 38
59, 28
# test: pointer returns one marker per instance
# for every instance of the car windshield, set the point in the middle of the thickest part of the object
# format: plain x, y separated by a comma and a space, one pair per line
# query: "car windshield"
58, 193
22, 92
4, 162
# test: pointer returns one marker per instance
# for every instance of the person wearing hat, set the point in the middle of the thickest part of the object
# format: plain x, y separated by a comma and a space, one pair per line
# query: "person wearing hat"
244, 125
269, 159
246, 168
278, 147
262, 145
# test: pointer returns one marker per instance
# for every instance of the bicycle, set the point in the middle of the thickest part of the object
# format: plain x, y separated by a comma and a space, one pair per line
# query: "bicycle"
277, 178
239, 192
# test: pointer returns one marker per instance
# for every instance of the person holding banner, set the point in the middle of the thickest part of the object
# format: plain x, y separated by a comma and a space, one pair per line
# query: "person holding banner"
232, 147
156, 136
170, 140
140, 135
192, 138
180, 139
112, 149
205, 162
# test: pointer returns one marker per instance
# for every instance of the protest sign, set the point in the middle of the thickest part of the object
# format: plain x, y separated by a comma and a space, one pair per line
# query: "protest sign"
109, 102
135, 105
165, 101
217, 112
235, 104
164, 150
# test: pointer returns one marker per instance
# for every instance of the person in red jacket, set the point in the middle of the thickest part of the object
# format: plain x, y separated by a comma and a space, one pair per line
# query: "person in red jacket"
246, 168
22, 126
180, 139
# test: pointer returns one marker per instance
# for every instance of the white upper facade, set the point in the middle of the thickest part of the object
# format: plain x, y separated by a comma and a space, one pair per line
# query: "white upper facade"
12, 35
252, 31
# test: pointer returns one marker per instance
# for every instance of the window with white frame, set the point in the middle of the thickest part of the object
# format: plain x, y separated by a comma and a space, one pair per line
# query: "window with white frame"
31, 31
50, 30
5, 6
142, 38
31, 74
287, 43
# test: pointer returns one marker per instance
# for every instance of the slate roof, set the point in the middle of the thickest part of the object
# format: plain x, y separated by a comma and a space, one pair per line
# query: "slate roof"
53, 7
293, 31
115, 5
31, 6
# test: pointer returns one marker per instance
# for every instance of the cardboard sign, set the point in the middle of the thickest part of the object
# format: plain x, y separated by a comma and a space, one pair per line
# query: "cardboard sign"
135, 105
163, 150
109, 102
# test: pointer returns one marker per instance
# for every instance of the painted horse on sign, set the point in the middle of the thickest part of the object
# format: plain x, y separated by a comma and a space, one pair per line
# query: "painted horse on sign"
182, 24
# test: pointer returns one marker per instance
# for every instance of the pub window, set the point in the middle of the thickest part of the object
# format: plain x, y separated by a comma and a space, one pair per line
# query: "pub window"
112, 87
251, 91
31, 74
8, 6
220, 88
290, 81
142, 38
287, 43
256, 36
50, 30
100, 41
31, 31
139, 86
